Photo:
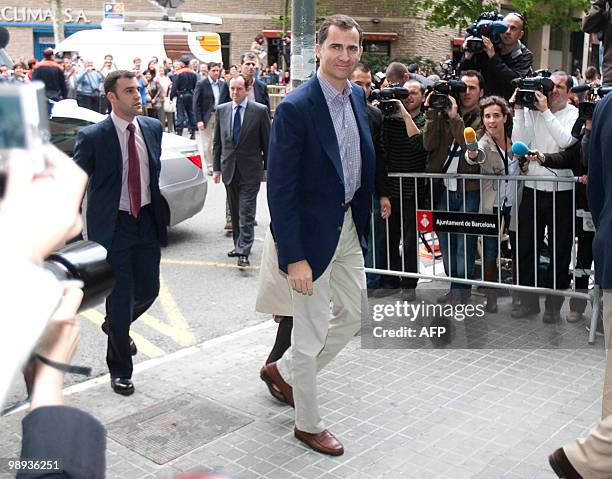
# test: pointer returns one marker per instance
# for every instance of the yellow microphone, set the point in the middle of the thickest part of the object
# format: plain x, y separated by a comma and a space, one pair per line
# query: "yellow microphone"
470, 139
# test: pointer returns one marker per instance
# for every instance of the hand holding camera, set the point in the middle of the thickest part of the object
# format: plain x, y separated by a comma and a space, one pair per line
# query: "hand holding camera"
44, 206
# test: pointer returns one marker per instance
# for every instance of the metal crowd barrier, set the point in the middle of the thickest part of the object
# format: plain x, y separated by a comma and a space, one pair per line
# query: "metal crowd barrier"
426, 202
276, 93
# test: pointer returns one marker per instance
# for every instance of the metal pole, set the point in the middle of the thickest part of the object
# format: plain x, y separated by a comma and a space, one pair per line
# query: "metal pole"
303, 27
58, 21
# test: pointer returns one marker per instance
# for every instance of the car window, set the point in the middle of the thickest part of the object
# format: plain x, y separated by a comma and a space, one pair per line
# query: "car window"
64, 132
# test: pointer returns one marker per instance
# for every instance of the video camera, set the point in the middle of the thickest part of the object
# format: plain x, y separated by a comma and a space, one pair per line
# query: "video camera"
488, 24
592, 94
529, 85
440, 92
385, 96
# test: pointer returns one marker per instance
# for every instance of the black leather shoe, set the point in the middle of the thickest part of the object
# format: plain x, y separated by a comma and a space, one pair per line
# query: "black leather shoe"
560, 464
232, 254
243, 261
551, 317
524, 311
123, 386
133, 348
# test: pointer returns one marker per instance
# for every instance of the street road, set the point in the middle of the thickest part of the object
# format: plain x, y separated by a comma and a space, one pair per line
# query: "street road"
203, 293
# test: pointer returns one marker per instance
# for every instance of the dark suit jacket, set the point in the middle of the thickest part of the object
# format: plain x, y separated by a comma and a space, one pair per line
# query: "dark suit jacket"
97, 151
250, 155
599, 190
306, 181
261, 94
204, 99
65, 433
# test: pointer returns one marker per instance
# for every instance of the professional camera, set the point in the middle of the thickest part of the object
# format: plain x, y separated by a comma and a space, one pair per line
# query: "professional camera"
84, 261
385, 96
527, 87
488, 24
440, 92
592, 94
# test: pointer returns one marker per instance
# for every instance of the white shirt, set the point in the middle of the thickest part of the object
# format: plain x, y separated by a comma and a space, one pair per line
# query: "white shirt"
215, 89
451, 183
141, 147
547, 132
243, 106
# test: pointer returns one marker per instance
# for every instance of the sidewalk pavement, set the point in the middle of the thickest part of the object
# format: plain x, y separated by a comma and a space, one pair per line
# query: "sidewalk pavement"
421, 414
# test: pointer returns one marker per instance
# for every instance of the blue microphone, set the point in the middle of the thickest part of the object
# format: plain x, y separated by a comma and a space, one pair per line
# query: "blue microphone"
520, 150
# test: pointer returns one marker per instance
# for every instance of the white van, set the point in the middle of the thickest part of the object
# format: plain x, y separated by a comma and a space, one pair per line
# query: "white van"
124, 46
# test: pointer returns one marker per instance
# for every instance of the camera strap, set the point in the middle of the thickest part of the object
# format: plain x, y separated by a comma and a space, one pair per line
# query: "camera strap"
451, 155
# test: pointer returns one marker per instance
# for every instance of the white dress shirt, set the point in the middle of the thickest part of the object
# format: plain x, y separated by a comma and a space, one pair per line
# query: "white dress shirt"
549, 133
124, 136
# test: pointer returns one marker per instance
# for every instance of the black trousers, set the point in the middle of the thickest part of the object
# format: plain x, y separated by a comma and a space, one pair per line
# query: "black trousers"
242, 201
185, 117
406, 214
558, 226
134, 257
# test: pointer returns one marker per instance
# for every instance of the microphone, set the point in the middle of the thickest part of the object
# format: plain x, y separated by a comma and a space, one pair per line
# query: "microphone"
519, 148
470, 139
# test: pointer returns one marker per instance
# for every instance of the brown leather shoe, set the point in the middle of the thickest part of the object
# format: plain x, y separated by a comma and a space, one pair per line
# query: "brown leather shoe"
324, 442
276, 384
560, 464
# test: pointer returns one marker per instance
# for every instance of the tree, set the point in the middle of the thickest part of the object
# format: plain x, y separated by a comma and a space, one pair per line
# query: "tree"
58, 21
453, 13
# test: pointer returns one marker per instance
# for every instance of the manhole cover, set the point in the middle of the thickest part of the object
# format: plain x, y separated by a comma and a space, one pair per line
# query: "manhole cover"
175, 427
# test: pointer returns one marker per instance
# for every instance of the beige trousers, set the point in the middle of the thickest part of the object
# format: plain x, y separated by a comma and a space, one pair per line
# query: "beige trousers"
206, 139
320, 331
274, 292
592, 456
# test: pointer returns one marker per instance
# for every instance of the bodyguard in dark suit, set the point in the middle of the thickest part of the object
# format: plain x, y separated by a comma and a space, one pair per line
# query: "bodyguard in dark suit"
240, 151
321, 181
256, 89
125, 213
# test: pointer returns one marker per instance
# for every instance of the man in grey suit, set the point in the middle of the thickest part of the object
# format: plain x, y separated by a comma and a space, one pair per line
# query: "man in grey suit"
240, 151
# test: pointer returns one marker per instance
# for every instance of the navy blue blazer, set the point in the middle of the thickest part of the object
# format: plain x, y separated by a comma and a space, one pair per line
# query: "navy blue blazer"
599, 190
98, 153
305, 178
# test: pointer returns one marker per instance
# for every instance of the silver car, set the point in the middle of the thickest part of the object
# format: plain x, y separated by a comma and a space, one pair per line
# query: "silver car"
182, 182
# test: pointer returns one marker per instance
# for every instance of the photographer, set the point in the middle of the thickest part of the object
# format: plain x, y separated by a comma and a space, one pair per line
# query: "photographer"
500, 64
39, 212
599, 20
88, 85
548, 129
443, 138
403, 140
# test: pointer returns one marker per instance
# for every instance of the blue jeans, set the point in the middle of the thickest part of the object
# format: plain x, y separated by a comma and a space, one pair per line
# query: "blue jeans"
375, 240
459, 253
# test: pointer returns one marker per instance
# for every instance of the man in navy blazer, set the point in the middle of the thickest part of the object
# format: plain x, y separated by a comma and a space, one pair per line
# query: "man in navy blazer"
125, 213
321, 165
591, 457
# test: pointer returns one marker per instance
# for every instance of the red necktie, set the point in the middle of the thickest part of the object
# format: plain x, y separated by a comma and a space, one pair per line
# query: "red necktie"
133, 173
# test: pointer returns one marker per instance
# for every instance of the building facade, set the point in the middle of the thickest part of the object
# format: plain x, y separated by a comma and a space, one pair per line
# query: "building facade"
31, 30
